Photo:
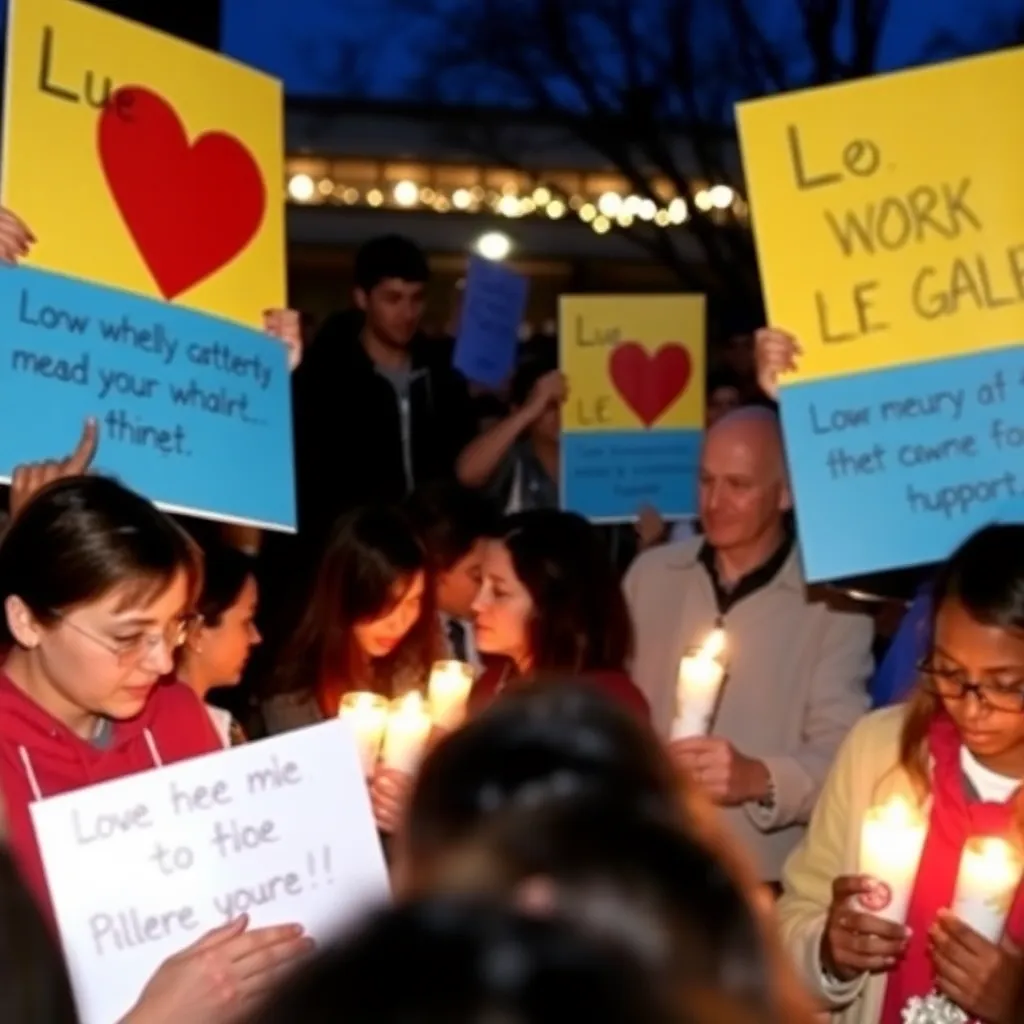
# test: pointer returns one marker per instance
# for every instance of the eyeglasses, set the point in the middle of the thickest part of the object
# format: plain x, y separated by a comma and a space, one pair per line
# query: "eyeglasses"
131, 652
955, 684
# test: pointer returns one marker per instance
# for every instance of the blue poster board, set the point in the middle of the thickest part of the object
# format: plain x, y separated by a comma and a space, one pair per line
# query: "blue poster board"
897, 467
492, 312
609, 476
194, 412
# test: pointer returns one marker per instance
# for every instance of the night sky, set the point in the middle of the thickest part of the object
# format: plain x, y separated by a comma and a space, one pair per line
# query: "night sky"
301, 41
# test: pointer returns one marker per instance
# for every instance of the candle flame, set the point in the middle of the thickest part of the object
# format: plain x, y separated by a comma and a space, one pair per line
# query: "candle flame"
714, 645
898, 813
999, 856
411, 703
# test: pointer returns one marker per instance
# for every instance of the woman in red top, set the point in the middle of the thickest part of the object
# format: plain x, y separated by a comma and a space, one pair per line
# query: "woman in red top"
550, 604
96, 587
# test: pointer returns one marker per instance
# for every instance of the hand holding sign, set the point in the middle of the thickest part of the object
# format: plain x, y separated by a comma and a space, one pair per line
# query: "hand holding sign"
220, 975
15, 237
286, 326
549, 392
775, 353
29, 479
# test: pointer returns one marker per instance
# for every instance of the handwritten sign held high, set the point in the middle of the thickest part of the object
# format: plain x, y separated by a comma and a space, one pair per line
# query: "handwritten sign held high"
889, 214
632, 426
183, 400
890, 230
280, 830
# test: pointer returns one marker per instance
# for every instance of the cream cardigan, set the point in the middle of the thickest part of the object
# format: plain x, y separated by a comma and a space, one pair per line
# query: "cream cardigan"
865, 773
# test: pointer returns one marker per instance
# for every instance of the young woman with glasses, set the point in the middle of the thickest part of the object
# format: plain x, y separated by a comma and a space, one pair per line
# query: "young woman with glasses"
956, 751
97, 587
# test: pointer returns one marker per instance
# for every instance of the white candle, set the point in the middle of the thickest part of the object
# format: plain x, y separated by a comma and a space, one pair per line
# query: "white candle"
367, 714
700, 681
891, 840
448, 691
990, 873
409, 725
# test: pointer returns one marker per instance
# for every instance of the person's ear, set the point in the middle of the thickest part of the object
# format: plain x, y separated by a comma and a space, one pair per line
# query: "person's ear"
362, 299
194, 638
23, 625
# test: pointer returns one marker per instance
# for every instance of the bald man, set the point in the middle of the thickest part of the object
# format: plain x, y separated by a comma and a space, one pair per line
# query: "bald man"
797, 664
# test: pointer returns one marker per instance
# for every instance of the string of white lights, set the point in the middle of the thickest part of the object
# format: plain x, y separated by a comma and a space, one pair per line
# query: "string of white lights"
601, 212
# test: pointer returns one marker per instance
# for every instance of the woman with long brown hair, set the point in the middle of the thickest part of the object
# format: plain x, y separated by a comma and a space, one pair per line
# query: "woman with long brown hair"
955, 755
369, 624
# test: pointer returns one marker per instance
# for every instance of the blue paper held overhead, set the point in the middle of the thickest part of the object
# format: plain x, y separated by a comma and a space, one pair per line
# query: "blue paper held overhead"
194, 412
492, 310
896, 467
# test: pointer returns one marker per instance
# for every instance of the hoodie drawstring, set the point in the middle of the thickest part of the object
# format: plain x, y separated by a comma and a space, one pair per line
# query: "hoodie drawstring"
33, 782
153, 752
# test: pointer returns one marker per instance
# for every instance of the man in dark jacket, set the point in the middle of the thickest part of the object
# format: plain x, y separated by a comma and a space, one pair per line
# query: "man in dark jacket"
378, 409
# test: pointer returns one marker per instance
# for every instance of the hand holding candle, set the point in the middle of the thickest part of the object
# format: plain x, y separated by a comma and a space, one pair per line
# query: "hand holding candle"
891, 841
448, 691
367, 714
409, 725
699, 684
990, 873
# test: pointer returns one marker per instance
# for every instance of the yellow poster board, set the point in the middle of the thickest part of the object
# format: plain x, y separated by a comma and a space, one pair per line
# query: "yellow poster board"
889, 214
634, 419
143, 162
634, 362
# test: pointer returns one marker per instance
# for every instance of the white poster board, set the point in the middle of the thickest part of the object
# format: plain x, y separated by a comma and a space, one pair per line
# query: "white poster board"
141, 867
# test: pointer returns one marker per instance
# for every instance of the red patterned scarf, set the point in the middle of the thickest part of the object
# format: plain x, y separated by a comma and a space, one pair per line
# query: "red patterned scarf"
954, 819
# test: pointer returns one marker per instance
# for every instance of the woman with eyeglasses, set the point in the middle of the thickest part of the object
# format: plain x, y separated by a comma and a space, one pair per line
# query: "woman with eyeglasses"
96, 587
956, 751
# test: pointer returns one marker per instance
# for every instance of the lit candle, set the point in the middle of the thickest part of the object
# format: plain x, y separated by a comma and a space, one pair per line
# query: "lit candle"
409, 726
448, 691
367, 714
700, 681
891, 840
990, 873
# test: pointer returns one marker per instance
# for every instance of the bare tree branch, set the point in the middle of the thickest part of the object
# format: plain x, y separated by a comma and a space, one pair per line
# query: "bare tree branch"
649, 86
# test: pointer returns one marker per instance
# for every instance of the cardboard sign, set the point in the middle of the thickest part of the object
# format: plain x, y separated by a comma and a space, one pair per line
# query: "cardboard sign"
631, 430
890, 232
888, 214
143, 867
194, 411
144, 162
492, 312
898, 466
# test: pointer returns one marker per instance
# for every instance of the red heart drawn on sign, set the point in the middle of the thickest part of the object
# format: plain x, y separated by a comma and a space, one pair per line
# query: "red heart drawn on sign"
190, 208
649, 384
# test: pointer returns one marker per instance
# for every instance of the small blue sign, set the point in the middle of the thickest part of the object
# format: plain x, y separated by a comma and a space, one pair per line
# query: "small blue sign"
608, 476
492, 312
897, 467
194, 412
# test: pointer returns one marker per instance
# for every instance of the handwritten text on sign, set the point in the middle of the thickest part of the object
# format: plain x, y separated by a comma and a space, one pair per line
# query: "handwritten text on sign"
280, 830
138, 113
631, 428
902, 191
184, 401
904, 463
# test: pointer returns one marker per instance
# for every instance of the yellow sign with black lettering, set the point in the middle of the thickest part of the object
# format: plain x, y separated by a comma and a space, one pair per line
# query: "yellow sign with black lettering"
889, 214
143, 162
